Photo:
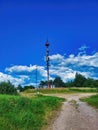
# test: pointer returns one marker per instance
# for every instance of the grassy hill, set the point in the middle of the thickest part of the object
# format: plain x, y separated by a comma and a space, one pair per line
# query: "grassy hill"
61, 90
93, 101
21, 113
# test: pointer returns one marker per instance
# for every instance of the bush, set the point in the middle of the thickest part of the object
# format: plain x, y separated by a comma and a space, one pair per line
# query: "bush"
7, 88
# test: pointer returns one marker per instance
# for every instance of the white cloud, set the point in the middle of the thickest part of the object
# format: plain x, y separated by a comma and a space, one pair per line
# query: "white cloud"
26, 70
68, 66
15, 81
56, 57
88, 60
27, 73
23, 77
71, 56
63, 66
82, 48
64, 72
21, 68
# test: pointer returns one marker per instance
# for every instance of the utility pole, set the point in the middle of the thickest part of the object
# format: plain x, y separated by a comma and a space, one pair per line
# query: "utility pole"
36, 82
47, 62
36, 76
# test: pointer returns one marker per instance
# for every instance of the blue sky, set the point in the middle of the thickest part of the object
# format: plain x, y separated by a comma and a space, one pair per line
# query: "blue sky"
71, 27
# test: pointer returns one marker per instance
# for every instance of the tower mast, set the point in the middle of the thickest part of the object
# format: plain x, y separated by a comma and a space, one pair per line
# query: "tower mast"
47, 62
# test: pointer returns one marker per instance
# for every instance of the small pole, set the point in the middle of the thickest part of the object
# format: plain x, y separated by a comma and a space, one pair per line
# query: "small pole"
36, 76
36, 82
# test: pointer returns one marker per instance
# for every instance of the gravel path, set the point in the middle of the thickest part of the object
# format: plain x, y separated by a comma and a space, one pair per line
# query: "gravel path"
75, 115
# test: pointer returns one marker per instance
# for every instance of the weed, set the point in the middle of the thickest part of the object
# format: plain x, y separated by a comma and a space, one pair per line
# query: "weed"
74, 103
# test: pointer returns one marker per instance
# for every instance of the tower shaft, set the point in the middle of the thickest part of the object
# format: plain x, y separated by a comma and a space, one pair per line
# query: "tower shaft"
47, 63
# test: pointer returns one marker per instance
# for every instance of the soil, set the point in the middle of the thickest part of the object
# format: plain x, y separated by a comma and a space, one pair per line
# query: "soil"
75, 115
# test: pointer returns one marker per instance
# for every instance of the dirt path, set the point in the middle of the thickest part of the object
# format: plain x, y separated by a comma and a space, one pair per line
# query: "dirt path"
75, 115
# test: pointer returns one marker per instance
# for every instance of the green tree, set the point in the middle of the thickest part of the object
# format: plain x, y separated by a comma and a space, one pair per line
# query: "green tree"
42, 84
70, 84
45, 83
79, 80
89, 83
96, 85
58, 82
28, 87
20, 88
7, 88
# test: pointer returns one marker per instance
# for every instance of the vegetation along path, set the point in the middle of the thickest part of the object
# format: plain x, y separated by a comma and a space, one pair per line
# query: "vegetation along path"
75, 115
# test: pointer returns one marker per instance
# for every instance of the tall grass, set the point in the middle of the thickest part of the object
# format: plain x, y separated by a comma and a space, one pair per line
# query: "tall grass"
93, 100
91, 90
20, 113
48, 90
62, 90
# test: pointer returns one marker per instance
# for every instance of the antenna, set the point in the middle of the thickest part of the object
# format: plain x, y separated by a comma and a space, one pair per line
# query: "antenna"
47, 62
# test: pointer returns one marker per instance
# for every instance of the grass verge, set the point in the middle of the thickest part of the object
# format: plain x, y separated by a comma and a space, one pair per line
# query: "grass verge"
84, 90
93, 100
62, 90
21, 113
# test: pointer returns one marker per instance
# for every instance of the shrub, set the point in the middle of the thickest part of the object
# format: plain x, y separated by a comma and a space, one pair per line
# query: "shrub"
7, 88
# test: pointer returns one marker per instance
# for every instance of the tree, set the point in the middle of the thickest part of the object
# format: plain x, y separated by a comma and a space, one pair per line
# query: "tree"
89, 83
7, 88
28, 87
20, 88
96, 85
42, 84
70, 84
45, 83
58, 82
79, 80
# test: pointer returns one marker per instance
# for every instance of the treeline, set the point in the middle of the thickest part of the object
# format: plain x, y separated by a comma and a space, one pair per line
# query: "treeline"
82, 81
9, 88
79, 81
57, 82
21, 88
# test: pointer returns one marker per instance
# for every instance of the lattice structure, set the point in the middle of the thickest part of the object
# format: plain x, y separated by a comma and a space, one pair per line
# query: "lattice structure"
47, 62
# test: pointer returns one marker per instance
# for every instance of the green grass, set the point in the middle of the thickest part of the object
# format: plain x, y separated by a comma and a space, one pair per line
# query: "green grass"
21, 113
84, 90
93, 100
48, 90
62, 90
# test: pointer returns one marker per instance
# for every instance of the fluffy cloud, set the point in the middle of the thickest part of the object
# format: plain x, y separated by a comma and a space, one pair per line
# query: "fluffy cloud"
17, 69
82, 48
63, 66
15, 81
26, 70
27, 73
66, 67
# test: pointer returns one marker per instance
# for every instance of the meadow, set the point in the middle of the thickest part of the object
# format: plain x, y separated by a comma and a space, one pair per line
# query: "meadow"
22, 113
61, 90
32, 111
93, 100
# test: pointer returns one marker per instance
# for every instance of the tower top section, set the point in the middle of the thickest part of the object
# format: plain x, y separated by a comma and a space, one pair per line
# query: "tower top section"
47, 44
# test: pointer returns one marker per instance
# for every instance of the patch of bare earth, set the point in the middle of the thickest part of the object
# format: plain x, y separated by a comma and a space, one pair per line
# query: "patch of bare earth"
75, 115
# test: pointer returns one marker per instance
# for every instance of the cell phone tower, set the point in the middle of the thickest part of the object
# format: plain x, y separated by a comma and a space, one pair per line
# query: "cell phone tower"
47, 62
